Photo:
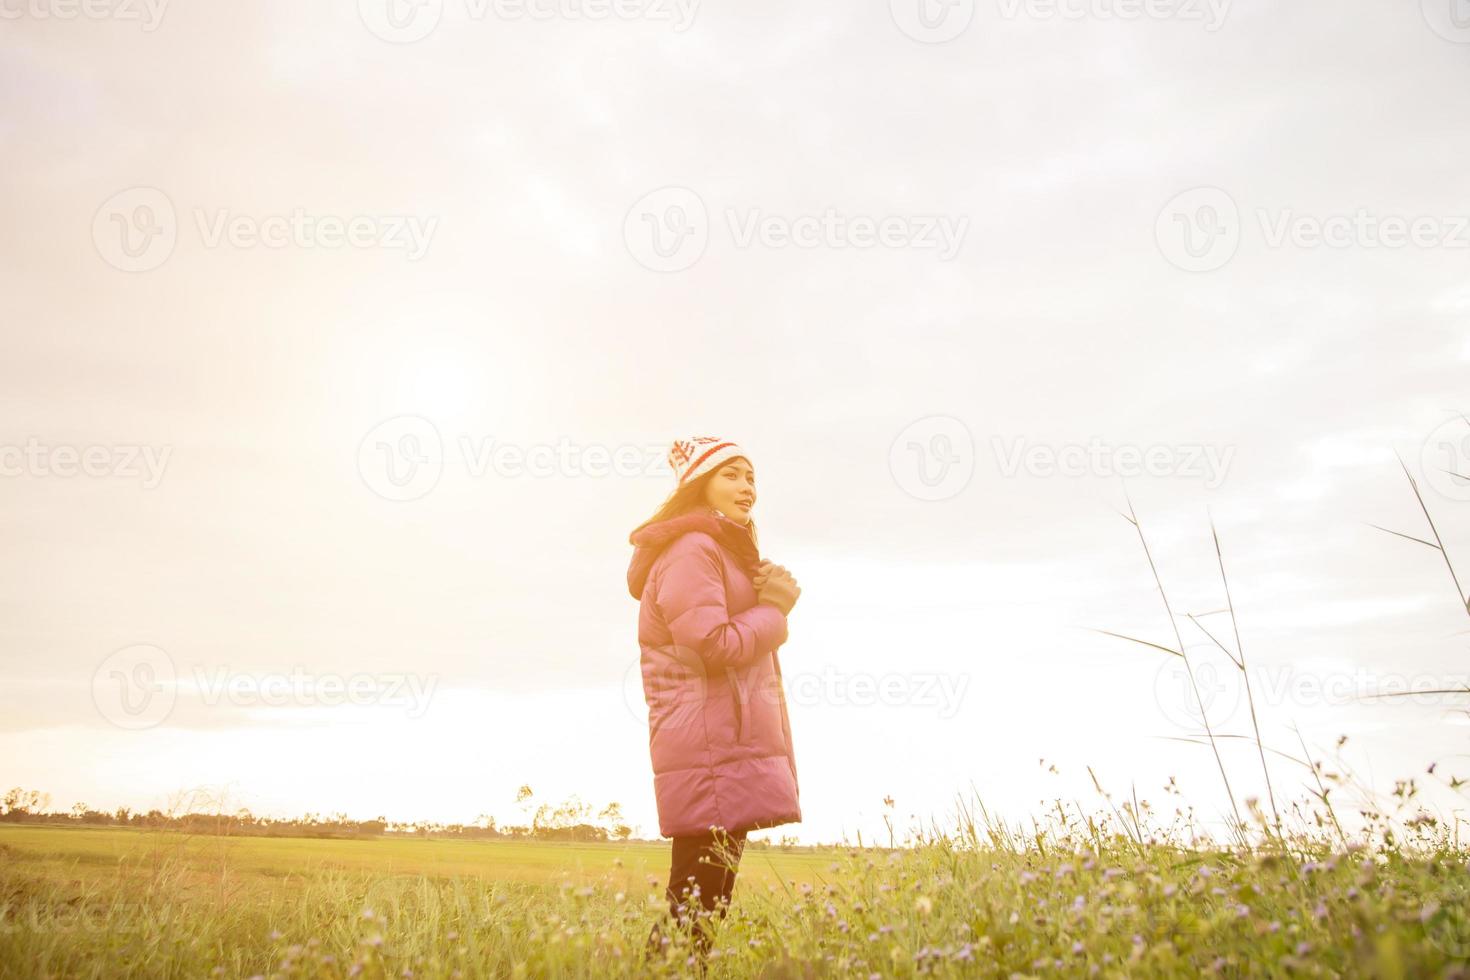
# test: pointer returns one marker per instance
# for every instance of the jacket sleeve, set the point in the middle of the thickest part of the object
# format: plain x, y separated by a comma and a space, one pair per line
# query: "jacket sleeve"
691, 598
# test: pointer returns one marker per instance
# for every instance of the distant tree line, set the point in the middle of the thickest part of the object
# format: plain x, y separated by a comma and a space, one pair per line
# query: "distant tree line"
570, 820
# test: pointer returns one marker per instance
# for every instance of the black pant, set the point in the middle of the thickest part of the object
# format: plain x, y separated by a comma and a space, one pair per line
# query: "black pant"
708, 863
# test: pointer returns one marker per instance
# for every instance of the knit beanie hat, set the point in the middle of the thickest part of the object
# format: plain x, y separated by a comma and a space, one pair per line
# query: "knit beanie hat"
692, 458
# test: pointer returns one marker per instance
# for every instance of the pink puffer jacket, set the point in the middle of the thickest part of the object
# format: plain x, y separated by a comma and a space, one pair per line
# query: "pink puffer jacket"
719, 733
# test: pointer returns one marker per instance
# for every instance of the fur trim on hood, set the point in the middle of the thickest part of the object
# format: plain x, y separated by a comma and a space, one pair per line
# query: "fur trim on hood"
649, 542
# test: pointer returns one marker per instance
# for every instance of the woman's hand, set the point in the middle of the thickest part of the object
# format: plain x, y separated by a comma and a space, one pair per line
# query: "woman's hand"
764, 570
775, 586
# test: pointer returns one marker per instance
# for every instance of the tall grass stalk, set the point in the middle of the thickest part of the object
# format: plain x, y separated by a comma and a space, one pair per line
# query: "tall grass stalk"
1238, 828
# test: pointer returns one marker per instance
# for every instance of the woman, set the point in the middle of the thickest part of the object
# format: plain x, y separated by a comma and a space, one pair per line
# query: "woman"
712, 616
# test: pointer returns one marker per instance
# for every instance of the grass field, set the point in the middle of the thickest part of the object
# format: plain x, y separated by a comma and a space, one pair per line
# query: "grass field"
115, 902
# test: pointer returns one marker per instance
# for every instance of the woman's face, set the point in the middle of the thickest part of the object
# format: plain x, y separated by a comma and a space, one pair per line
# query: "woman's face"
731, 490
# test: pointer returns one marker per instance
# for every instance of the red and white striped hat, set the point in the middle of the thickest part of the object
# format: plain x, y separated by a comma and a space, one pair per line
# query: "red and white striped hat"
692, 458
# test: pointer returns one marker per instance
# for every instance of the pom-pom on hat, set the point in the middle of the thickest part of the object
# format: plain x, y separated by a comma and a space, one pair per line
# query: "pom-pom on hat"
692, 458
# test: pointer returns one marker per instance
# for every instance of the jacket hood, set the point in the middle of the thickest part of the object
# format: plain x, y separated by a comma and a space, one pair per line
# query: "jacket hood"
649, 542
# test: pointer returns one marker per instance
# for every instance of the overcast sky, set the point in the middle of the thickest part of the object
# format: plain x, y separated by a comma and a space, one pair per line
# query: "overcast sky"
342, 343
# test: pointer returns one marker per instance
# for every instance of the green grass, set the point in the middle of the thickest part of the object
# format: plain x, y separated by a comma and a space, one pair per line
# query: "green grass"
51, 850
1072, 902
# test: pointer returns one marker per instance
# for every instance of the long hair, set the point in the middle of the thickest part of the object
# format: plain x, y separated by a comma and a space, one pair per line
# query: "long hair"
689, 497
